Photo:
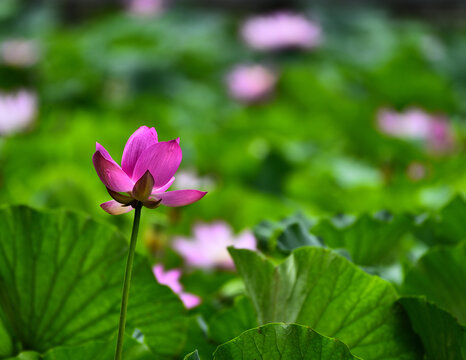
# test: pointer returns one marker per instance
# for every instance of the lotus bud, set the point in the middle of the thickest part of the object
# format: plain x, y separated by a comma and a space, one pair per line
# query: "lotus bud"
143, 187
120, 197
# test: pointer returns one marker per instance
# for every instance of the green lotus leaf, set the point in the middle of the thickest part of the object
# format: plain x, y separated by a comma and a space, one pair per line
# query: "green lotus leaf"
320, 289
283, 342
60, 283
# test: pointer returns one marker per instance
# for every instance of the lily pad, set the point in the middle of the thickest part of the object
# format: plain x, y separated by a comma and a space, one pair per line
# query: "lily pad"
442, 336
60, 283
132, 350
370, 240
283, 342
320, 289
440, 275
231, 322
446, 226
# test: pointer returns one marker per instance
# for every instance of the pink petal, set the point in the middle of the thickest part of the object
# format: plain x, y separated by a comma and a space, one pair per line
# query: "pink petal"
190, 300
165, 187
104, 153
115, 208
141, 139
170, 278
180, 197
111, 174
161, 159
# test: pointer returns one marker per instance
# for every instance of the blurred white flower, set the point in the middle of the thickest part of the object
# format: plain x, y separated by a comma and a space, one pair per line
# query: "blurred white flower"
189, 179
208, 248
146, 7
17, 111
281, 30
19, 52
251, 83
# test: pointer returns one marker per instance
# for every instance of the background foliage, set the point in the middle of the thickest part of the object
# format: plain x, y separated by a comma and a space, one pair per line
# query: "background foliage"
354, 243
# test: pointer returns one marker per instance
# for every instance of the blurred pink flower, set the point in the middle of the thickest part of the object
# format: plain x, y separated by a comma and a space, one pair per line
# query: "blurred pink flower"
146, 173
146, 7
416, 171
17, 111
208, 249
416, 124
171, 278
441, 135
19, 52
281, 30
251, 83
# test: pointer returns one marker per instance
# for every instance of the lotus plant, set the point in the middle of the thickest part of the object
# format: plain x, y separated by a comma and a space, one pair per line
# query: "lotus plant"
146, 173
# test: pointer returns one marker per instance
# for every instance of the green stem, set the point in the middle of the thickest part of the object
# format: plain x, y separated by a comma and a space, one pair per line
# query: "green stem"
127, 282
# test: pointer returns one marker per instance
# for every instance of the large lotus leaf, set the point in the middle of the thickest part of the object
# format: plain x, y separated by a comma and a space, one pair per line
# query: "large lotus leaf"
132, 350
318, 288
446, 226
231, 322
369, 240
26, 355
283, 342
197, 337
97, 350
60, 284
442, 336
440, 275
6, 343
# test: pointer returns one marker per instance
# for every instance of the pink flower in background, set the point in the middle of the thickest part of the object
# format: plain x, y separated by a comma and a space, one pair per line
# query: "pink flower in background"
19, 52
146, 7
441, 135
146, 173
171, 278
251, 83
416, 171
411, 124
281, 30
17, 111
415, 124
208, 249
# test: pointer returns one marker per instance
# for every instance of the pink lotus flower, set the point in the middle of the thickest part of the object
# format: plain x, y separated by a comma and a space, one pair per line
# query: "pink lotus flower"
17, 111
146, 173
146, 7
251, 83
281, 30
415, 124
171, 278
19, 52
208, 249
